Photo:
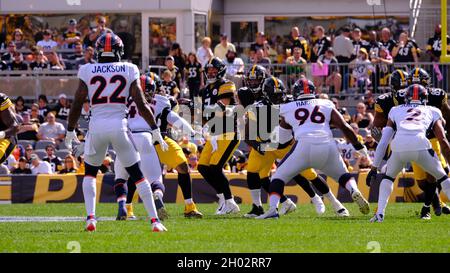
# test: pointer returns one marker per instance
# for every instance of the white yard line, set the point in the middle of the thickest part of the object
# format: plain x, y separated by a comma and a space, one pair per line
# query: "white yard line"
4, 219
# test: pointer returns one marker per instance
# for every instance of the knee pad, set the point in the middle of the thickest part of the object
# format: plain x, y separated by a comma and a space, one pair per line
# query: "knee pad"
344, 179
277, 186
253, 181
90, 170
158, 186
135, 173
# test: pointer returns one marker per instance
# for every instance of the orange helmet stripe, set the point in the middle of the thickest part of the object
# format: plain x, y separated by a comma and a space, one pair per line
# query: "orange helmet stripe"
143, 77
415, 92
108, 47
306, 87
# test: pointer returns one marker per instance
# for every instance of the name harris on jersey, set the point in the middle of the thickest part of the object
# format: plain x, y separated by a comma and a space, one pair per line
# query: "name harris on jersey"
299, 103
109, 68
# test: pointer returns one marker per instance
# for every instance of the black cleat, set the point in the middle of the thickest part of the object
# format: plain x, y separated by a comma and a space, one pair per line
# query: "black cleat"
445, 209
122, 214
255, 212
425, 213
160, 208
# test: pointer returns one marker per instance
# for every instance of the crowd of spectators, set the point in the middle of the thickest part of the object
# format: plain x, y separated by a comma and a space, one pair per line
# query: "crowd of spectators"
350, 58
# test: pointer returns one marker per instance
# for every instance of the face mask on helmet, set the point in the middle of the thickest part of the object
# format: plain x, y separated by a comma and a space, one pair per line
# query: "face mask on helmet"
211, 74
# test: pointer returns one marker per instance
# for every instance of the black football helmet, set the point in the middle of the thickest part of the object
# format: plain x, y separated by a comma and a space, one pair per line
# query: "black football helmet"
245, 96
155, 78
274, 91
414, 94
210, 75
109, 45
304, 89
255, 78
398, 80
419, 76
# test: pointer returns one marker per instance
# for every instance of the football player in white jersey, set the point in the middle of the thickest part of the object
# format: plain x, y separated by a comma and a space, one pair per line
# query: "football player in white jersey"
162, 110
310, 120
108, 84
407, 127
150, 164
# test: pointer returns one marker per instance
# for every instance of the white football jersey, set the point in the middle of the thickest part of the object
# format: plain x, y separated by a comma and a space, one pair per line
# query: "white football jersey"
412, 122
309, 119
109, 89
136, 122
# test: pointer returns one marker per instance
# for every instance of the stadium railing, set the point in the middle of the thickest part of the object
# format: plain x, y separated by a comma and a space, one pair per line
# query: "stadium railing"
30, 84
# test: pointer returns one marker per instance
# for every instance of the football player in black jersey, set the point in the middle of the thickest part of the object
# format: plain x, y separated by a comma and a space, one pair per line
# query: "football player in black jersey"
8, 127
437, 98
264, 153
219, 117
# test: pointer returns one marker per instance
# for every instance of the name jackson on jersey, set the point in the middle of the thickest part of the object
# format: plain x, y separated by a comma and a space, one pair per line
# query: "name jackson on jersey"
110, 68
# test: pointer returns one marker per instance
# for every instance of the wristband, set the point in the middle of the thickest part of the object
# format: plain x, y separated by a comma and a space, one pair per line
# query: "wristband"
2, 134
70, 129
153, 127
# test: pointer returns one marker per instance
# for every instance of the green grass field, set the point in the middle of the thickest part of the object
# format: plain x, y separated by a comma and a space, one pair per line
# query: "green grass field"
301, 231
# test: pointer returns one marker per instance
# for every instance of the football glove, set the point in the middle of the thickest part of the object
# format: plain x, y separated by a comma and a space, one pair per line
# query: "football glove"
371, 175
70, 137
157, 138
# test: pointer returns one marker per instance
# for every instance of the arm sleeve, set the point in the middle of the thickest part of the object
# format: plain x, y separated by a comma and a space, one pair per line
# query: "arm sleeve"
180, 123
387, 134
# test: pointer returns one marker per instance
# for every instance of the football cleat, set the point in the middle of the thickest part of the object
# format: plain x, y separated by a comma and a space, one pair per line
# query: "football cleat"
255, 212
230, 207
437, 208
220, 207
425, 213
318, 203
160, 209
190, 211
377, 218
361, 201
91, 224
122, 214
157, 226
445, 209
343, 212
272, 213
130, 213
287, 207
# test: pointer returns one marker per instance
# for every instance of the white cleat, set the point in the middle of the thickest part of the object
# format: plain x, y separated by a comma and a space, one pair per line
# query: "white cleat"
287, 207
230, 207
220, 207
342, 212
272, 213
377, 218
157, 226
91, 224
318, 203
361, 201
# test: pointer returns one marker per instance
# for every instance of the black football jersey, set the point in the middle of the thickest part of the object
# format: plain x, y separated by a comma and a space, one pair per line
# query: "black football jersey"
211, 94
5, 103
384, 103
193, 72
169, 88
